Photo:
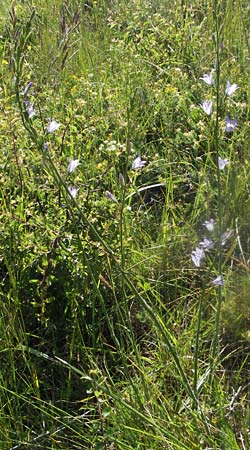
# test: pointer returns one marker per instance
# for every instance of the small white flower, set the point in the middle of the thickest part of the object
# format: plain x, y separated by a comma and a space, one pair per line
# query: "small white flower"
73, 165
208, 78
73, 191
222, 163
53, 126
218, 281
209, 224
207, 106
231, 88
206, 244
197, 256
138, 163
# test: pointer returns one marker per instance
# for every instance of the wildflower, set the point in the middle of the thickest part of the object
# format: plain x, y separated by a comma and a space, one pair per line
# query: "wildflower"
230, 124
231, 88
31, 111
73, 165
222, 163
208, 78
111, 196
207, 106
197, 255
209, 224
27, 88
73, 191
53, 126
225, 236
218, 281
138, 163
121, 180
206, 244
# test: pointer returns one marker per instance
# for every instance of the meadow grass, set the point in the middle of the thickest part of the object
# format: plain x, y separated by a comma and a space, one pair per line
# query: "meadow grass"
121, 326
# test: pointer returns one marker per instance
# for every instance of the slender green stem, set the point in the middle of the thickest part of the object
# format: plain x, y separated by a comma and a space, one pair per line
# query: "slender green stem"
217, 17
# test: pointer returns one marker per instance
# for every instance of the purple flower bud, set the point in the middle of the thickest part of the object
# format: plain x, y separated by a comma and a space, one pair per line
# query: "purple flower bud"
121, 180
111, 197
27, 88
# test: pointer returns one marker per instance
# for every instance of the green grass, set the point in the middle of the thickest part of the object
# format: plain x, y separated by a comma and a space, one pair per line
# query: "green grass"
111, 338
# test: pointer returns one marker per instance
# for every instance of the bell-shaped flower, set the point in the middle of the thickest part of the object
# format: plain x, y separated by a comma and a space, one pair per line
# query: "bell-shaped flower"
73, 191
208, 78
53, 126
73, 165
30, 109
138, 163
222, 163
231, 88
207, 106
197, 256
231, 124
206, 244
218, 281
209, 224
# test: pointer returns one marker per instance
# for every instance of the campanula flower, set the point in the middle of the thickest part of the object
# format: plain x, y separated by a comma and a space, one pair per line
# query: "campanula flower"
138, 163
222, 163
225, 236
27, 88
207, 106
209, 224
208, 78
218, 281
31, 111
73, 165
53, 126
197, 256
231, 88
206, 244
73, 191
230, 124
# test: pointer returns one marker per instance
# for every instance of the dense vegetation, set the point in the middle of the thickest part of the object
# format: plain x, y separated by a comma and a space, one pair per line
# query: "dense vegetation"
125, 205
